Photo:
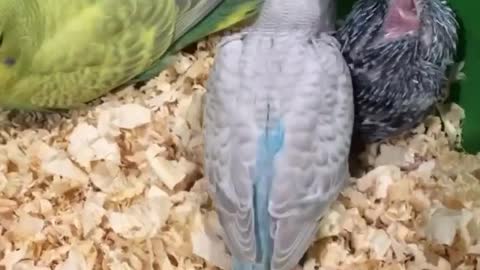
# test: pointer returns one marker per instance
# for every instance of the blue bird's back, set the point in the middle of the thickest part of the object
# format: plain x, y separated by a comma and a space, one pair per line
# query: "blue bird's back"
278, 122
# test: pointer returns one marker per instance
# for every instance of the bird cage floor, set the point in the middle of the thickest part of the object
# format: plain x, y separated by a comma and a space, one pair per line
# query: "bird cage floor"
119, 184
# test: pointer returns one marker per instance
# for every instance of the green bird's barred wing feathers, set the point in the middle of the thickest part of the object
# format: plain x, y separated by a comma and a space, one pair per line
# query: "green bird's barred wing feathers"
227, 14
79, 50
60, 54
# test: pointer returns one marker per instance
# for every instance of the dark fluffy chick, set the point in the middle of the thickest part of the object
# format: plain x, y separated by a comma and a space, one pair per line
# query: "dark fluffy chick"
398, 52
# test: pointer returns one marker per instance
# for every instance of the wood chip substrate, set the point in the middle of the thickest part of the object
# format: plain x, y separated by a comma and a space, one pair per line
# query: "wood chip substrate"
118, 184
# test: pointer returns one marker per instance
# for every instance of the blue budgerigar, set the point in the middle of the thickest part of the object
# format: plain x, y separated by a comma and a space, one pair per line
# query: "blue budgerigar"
278, 123
398, 52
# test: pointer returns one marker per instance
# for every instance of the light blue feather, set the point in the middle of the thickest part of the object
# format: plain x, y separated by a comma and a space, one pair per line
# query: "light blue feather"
269, 144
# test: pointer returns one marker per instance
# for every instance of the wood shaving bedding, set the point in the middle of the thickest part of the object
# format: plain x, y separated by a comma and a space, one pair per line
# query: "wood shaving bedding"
119, 184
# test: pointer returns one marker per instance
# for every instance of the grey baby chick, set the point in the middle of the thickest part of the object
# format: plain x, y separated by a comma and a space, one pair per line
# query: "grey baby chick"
398, 52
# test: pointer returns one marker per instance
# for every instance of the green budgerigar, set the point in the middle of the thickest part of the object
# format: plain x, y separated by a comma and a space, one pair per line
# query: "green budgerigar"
58, 54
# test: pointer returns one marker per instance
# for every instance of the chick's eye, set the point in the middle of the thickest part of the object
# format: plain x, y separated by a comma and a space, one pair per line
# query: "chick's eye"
7, 60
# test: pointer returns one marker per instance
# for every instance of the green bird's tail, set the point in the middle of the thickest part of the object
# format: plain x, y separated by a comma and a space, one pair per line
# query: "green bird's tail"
227, 14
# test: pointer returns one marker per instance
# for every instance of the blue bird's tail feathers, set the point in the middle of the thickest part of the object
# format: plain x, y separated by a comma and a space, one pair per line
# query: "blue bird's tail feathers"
269, 144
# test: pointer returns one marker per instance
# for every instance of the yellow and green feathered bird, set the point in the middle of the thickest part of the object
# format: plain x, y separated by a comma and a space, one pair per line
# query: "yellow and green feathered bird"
58, 54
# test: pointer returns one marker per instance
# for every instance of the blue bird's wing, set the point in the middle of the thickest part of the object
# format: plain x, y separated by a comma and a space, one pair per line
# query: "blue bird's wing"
230, 146
312, 168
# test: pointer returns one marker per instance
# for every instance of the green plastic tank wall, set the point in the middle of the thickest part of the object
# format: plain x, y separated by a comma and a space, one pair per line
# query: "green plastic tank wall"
467, 93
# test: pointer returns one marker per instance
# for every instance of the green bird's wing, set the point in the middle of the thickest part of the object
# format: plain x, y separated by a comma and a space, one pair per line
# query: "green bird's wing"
190, 12
227, 14
76, 51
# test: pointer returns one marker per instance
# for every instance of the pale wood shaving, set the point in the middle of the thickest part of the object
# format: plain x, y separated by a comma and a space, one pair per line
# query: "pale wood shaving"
119, 185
